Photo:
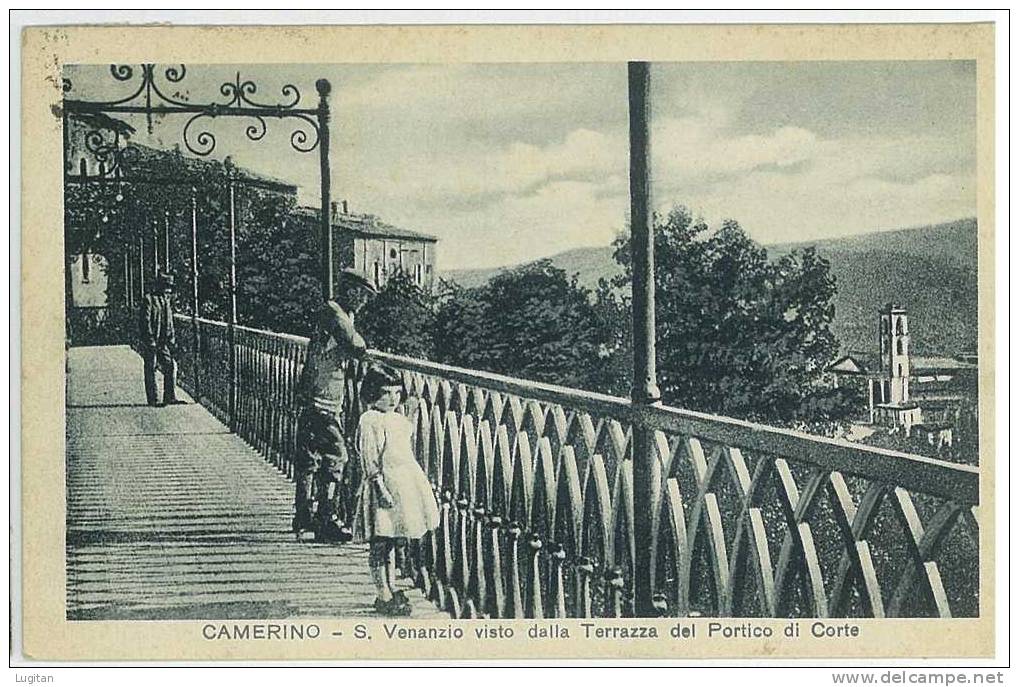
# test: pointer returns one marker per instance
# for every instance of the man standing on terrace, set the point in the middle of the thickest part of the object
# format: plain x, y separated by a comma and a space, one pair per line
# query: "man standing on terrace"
321, 443
158, 340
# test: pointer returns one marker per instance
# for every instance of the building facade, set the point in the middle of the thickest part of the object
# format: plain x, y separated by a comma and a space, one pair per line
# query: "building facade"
893, 344
922, 394
378, 250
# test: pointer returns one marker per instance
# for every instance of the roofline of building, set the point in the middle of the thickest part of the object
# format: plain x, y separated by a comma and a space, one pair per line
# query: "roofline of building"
362, 225
415, 236
244, 175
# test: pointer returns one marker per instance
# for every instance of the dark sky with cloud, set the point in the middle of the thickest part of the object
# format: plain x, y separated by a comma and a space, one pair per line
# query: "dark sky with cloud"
512, 162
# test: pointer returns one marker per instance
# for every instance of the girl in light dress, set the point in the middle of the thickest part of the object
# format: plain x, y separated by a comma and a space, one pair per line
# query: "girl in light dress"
396, 499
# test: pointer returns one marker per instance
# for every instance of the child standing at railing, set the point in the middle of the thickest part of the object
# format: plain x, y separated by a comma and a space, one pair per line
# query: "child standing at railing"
396, 499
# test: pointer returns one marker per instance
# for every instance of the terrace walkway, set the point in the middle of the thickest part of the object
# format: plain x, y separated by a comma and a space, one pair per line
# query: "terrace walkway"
169, 515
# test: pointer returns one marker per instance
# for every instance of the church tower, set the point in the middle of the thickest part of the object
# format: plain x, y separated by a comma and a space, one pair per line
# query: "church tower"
893, 335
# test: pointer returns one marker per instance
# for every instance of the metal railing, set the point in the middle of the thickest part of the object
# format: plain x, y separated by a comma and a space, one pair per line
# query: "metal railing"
535, 484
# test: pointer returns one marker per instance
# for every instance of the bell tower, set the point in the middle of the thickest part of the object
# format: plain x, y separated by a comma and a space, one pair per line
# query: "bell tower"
893, 337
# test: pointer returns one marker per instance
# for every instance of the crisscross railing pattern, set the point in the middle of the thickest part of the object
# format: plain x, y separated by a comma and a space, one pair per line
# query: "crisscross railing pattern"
535, 484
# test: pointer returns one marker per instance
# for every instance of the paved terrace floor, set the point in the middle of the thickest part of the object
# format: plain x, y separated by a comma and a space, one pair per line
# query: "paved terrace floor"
169, 516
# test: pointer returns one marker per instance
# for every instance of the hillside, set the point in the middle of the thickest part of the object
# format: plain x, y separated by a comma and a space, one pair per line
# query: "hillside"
589, 264
930, 270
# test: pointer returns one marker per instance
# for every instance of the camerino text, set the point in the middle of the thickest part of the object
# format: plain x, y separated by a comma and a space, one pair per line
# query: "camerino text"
258, 631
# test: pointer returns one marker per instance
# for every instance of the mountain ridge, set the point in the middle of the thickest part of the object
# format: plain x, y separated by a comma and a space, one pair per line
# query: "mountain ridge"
931, 270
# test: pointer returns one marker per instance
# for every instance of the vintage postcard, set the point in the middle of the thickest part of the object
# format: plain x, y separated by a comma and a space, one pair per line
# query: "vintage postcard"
496, 342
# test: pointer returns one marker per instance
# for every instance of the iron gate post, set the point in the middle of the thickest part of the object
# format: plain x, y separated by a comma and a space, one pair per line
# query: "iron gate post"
645, 392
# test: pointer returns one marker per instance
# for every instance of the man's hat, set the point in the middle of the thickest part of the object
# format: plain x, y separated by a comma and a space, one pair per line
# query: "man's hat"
352, 277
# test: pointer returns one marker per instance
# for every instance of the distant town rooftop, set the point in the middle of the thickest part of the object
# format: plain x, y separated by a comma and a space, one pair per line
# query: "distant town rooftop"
870, 362
369, 226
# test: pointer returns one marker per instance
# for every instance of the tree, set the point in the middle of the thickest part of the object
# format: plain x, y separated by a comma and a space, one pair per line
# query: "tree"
738, 334
531, 322
400, 319
277, 252
277, 264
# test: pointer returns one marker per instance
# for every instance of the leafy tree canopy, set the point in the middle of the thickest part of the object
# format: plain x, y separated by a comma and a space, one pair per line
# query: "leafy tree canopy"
531, 322
400, 319
737, 333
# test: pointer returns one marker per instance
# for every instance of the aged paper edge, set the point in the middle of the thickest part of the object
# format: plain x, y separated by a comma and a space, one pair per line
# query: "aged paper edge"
46, 632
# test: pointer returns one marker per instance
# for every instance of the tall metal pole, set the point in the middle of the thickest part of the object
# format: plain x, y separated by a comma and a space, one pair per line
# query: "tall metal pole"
644, 392
166, 241
195, 340
232, 329
324, 87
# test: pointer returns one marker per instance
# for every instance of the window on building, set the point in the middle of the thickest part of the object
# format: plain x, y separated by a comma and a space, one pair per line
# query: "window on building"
392, 252
86, 268
899, 346
418, 274
899, 328
378, 274
428, 269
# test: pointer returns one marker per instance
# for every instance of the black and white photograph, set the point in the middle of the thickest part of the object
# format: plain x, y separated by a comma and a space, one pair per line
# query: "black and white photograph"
414, 374
470, 350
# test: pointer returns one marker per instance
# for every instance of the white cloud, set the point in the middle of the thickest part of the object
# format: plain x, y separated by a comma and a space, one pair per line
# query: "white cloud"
512, 162
522, 191
695, 147
516, 228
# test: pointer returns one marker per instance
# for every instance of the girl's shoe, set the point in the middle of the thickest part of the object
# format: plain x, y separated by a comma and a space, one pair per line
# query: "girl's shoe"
393, 607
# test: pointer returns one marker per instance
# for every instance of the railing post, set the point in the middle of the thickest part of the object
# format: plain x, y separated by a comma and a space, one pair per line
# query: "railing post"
155, 248
326, 237
141, 269
195, 339
128, 286
166, 240
645, 391
232, 324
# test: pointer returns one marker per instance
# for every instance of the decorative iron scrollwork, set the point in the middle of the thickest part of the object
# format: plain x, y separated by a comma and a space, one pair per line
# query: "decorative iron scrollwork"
204, 142
238, 91
150, 98
107, 149
301, 140
105, 152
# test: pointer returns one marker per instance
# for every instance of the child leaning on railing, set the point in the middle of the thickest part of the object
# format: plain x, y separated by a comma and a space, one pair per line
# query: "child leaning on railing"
396, 500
